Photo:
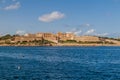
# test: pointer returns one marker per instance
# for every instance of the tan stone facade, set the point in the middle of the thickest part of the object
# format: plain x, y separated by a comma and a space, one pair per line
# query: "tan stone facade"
26, 38
37, 36
87, 38
50, 37
65, 36
56, 37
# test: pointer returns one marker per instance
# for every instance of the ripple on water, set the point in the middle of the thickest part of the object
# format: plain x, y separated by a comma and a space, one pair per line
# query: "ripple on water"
60, 63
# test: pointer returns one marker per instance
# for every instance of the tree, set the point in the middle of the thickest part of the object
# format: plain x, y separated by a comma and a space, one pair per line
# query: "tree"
8, 36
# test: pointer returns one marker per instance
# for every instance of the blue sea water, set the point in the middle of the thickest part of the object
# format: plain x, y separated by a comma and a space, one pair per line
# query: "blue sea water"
59, 63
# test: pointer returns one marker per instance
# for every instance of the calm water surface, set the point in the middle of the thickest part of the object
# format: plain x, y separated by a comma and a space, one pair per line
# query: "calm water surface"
59, 63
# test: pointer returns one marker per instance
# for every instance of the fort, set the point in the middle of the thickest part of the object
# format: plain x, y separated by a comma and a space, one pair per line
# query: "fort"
55, 37
58, 39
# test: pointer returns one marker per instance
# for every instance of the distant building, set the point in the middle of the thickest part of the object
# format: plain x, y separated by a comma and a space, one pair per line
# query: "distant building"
87, 38
27, 37
65, 36
50, 37
39, 34
56, 37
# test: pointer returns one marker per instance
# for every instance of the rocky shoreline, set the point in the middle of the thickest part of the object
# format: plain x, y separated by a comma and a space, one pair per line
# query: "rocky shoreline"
70, 44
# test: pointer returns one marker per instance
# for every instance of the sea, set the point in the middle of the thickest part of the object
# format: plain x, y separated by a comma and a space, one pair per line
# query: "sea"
60, 63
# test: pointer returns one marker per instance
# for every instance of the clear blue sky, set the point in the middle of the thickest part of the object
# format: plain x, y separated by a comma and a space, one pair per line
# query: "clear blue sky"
101, 17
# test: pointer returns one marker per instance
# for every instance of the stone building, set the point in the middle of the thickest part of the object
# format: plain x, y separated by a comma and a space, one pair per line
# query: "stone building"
87, 38
27, 37
50, 37
39, 34
56, 37
65, 36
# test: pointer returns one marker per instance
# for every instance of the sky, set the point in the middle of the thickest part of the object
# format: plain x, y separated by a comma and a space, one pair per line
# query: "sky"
82, 17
